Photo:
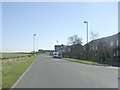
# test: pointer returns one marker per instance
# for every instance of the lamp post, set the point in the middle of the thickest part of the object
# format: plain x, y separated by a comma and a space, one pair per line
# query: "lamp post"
87, 39
57, 42
87, 29
34, 42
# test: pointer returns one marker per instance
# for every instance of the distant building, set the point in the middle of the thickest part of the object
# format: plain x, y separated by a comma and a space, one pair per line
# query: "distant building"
72, 51
40, 51
67, 48
43, 51
62, 48
59, 48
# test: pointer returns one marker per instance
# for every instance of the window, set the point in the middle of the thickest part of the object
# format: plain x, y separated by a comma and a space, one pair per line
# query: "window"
90, 47
117, 53
117, 42
69, 50
95, 54
111, 43
96, 47
114, 54
84, 48
93, 47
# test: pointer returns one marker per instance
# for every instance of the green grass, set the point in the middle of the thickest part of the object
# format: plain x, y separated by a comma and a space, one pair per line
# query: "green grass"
0, 71
13, 69
9, 55
81, 61
0, 75
0, 55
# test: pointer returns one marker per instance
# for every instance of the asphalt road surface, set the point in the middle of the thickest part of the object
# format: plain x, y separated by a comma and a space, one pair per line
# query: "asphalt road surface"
47, 72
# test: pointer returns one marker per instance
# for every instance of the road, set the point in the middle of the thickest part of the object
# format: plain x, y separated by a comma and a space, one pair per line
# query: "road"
47, 72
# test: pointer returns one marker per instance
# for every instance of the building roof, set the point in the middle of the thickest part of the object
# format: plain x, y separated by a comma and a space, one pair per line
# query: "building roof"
105, 39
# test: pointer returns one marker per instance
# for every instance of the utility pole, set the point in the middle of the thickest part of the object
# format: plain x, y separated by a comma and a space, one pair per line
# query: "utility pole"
87, 40
34, 43
87, 29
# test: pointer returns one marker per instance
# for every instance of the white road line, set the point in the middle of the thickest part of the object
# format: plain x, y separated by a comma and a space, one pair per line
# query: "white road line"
22, 75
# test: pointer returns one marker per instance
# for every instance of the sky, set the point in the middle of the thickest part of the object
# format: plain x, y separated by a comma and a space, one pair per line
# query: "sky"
54, 21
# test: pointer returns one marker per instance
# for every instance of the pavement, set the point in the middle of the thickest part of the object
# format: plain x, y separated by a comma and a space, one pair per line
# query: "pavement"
48, 72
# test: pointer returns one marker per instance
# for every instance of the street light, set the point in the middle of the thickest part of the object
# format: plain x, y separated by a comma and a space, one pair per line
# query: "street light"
34, 42
57, 42
87, 29
87, 39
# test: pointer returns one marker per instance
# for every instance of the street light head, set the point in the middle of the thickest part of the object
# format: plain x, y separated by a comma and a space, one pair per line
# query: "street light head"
34, 34
85, 21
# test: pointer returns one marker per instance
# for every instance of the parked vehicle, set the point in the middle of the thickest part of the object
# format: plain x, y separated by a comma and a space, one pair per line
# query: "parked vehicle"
57, 55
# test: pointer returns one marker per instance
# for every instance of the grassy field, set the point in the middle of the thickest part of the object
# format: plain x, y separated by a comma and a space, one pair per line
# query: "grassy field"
10, 55
81, 61
12, 69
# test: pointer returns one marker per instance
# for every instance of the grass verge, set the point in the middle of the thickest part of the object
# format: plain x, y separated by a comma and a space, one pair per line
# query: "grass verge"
13, 69
81, 61
0, 74
10, 55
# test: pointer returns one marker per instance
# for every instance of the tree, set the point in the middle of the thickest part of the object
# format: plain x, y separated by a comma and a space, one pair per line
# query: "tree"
93, 53
76, 46
73, 40
93, 35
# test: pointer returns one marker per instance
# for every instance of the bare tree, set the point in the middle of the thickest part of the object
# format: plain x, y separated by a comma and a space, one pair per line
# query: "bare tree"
92, 53
76, 46
93, 35
75, 40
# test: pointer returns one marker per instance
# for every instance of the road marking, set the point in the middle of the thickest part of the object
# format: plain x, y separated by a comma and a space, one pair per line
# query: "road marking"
22, 75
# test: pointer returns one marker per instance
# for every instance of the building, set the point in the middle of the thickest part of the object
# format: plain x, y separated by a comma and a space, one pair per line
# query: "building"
105, 49
63, 49
72, 51
44, 51
58, 47
76, 51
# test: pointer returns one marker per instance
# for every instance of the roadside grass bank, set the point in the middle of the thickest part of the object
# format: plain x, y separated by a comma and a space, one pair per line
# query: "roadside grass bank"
81, 61
0, 79
0, 71
14, 55
13, 69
